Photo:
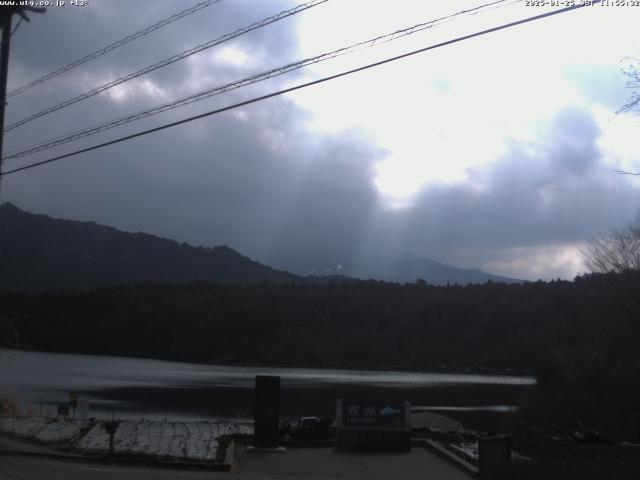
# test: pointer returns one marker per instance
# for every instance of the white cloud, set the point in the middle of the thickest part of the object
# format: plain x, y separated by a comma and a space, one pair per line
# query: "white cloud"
546, 262
233, 56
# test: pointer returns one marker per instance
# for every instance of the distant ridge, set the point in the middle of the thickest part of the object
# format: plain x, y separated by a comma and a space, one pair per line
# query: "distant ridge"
38, 252
405, 269
410, 269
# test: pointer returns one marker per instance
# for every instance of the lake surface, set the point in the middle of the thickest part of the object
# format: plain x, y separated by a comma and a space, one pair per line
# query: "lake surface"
153, 388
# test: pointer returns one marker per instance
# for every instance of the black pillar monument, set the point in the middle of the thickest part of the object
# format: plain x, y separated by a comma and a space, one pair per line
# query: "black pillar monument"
267, 411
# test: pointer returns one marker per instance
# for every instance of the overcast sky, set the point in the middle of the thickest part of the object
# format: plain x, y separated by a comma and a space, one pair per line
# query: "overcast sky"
497, 153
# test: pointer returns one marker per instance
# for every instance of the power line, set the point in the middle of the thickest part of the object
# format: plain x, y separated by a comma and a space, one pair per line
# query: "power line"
304, 85
247, 81
169, 61
113, 46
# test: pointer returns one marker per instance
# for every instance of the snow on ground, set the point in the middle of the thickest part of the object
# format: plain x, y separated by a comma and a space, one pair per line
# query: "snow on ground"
23, 427
42, 429
185, 440
468, 449
54, 431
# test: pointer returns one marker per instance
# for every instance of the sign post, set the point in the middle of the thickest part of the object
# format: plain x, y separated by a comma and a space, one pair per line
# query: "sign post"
111, 427
73, 402
373, 425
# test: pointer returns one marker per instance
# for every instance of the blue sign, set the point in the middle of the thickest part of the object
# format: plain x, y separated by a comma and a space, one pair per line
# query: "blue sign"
373, 414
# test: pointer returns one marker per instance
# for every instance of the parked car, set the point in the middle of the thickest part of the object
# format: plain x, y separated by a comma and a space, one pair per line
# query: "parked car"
311, 428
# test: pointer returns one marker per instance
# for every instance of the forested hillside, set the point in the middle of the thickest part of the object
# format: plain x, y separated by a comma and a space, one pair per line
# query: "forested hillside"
353, 324
38, 252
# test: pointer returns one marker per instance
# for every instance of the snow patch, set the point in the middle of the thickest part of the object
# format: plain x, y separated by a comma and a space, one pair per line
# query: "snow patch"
183, 440
42, 429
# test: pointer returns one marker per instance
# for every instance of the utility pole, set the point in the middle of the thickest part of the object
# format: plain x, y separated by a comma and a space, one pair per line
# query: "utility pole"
6, 15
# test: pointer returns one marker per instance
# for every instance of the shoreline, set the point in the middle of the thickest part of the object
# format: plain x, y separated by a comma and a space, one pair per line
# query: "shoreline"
478, 407
436, 370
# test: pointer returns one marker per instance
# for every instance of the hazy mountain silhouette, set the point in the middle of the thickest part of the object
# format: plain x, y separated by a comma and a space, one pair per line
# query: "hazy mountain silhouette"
410, 269
38, 252
398, 269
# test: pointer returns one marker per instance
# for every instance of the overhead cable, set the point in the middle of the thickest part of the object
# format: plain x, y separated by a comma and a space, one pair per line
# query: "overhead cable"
113, 46
220, 89
303, 85
169, 61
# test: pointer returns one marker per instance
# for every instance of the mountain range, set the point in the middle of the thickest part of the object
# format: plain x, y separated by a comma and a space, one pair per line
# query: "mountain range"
411, 268
38, 252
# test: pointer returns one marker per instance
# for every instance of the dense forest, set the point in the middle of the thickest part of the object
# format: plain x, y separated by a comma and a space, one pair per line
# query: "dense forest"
361, 324
579, 337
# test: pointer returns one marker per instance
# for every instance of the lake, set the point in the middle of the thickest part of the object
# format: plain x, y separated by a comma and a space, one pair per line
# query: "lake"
143, 388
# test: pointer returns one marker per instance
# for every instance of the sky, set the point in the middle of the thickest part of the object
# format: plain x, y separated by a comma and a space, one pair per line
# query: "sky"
498, 152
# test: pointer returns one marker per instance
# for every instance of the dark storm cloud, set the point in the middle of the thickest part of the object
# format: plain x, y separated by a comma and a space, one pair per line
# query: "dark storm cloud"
63, 35
254, 179
226, 181
257, 178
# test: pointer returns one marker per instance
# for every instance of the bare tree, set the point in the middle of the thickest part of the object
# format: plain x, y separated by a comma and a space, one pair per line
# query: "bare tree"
632, 72
617, 251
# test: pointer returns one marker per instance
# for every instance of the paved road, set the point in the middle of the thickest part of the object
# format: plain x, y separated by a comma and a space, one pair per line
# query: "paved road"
317, 464
29, 468
326, 463
17, 445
